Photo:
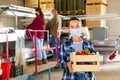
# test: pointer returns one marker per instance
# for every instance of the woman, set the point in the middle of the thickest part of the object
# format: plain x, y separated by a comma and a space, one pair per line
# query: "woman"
73, 44
38, 24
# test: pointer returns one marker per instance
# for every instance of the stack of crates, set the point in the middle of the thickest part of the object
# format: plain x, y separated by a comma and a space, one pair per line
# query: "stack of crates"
44, 4
31, 3
47, 4
96, 7
50, 5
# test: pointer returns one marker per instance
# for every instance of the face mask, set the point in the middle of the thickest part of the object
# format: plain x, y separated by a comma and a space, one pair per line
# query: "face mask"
36, 14
75, 32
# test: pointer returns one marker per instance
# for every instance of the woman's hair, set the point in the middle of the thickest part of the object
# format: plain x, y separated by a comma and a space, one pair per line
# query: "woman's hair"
42, 15
74, 18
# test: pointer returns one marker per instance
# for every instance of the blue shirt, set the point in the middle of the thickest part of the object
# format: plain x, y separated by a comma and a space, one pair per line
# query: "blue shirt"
68, 48
78, 46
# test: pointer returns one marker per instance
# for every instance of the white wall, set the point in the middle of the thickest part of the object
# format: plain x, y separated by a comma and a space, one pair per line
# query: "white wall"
113, 25
9, 21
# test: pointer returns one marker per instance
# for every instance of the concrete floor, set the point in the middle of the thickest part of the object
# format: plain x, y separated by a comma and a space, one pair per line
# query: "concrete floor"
109, 71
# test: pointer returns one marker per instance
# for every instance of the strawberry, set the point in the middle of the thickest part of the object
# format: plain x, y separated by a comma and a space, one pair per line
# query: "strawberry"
77, 53
83, 52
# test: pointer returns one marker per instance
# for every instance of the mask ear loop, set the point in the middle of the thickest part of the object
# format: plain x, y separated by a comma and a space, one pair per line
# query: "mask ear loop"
70, 34
81, 34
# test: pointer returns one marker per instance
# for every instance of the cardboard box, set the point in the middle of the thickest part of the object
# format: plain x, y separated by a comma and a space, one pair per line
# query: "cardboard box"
96, 1
95, 23
96, 9
85, 58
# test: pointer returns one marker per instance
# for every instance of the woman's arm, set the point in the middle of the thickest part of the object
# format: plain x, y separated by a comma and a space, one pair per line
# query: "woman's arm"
33, 24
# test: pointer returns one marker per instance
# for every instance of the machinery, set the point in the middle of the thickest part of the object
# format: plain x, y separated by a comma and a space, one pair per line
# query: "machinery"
105, 47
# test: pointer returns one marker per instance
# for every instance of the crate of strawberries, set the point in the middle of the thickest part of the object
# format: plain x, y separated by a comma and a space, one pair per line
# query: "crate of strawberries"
85, 61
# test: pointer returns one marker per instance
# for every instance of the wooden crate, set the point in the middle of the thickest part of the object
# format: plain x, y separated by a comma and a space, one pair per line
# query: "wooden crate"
96, 23
27, 3
34, 3
50, 1
96, 9
31, 3
49, 6
85, 67
43, 1
43, 6
46, 1
96, 1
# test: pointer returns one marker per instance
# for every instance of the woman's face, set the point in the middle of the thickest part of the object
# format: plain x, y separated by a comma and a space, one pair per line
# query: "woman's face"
74, 24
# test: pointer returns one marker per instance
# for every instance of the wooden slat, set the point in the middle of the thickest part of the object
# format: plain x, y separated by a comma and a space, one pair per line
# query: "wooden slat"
96, 9
31, 3
96, 23
87, 68
83, 58
96, 1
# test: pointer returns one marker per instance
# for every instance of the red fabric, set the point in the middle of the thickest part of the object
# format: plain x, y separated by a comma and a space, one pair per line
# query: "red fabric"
6, 68
28, 33
37, 25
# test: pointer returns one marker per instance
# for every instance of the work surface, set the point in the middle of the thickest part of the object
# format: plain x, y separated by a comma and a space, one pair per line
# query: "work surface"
31, 69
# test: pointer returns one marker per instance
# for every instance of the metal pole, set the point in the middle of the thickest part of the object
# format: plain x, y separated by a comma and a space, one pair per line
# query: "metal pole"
48, 41
16, 20
49, 73
7, 46
36, 62
57, 49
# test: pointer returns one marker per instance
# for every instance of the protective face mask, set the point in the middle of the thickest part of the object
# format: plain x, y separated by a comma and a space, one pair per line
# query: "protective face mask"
75, 32
36, 14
